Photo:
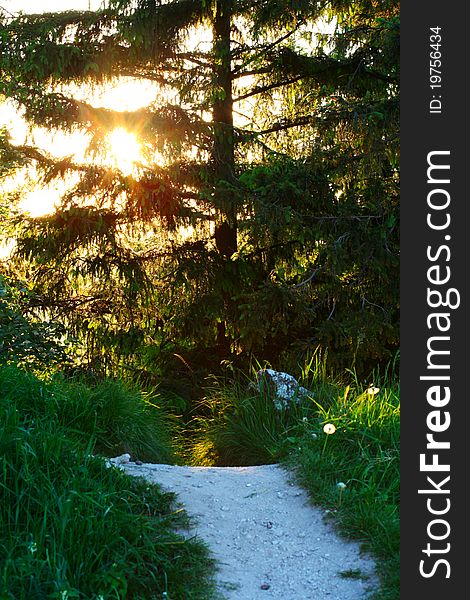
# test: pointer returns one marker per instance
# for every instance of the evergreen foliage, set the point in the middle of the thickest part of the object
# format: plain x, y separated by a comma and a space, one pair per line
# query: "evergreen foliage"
26, 339
263, 217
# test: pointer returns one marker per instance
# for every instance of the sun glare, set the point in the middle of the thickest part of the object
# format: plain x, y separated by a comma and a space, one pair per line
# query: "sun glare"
6, 248
39, 202
124, 150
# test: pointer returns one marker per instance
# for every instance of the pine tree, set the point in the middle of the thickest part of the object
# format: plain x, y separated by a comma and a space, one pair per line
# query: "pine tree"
290, 210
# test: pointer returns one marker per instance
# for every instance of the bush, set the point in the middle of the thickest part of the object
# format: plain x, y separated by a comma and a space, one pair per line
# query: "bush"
24, 339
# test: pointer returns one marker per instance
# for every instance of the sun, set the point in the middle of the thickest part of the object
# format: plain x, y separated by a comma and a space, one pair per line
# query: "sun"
124, 150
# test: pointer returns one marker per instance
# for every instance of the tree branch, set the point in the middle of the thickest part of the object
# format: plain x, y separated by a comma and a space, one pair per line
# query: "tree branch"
267, 88
306, 281
284, 125
264, 48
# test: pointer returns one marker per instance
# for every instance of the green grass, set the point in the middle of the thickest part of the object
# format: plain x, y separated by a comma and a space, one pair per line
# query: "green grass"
236, 426
363, 454
110, 415
69, 526
239, 427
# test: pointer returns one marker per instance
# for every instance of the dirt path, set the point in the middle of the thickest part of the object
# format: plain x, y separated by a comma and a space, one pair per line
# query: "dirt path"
269, 541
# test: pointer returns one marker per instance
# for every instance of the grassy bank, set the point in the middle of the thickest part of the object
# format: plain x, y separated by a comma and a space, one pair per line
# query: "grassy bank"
69, 526
352, 471
355, 472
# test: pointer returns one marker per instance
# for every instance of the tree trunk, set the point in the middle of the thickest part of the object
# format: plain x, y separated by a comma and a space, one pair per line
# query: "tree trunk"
223, 148
223, 155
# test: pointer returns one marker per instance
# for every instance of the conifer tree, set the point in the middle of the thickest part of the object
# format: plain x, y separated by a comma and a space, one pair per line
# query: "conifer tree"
264, 211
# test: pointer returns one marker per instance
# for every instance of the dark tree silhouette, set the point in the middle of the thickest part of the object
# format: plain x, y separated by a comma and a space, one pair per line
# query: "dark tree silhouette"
280, 146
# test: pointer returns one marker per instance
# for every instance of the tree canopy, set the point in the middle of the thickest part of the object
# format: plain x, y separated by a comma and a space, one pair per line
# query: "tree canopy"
261, 216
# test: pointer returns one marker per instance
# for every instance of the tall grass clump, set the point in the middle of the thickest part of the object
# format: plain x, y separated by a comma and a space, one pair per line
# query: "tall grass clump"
111, 416
237, 426
70, 527
237, 423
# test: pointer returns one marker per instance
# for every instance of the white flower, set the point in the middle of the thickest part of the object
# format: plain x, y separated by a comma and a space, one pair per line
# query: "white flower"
329, 428
371, 390
341, 487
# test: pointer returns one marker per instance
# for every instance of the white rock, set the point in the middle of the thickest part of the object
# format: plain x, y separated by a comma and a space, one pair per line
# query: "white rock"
120, 460
284, 388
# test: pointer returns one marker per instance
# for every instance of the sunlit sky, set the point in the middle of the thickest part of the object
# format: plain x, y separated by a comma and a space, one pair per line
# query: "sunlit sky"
30, 6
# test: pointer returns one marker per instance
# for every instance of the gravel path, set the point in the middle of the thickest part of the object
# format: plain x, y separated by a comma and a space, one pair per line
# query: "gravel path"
269, 541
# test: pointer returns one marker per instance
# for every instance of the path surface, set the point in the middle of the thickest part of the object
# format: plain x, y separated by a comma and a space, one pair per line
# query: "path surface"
269, 541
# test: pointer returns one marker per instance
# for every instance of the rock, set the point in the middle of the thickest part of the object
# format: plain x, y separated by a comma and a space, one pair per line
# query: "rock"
120, 460
283, 387
265, 586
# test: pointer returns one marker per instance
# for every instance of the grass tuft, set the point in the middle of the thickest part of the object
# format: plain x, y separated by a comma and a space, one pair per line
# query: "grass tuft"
237, 427
110, 415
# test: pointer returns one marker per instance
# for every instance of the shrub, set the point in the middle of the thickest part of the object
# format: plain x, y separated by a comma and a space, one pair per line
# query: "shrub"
24, 339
